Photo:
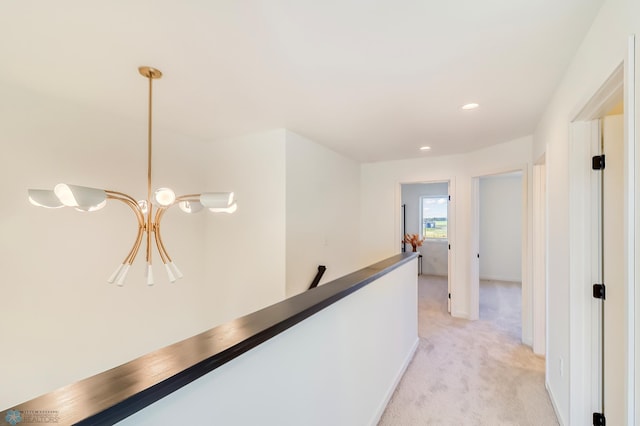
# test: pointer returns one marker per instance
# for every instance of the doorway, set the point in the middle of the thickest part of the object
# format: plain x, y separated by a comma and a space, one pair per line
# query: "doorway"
527, 319
426, 213
500, 251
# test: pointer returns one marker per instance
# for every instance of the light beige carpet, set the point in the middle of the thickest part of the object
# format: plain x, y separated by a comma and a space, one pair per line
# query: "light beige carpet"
471, 372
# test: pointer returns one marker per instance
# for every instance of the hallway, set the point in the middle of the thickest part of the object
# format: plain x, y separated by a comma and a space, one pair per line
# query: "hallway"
470, 372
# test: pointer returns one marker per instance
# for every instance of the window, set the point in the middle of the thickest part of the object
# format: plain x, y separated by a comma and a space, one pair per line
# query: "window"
434, 217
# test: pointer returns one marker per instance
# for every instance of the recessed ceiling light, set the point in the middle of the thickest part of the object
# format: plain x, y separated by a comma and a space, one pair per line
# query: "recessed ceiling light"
472, 105
425, 148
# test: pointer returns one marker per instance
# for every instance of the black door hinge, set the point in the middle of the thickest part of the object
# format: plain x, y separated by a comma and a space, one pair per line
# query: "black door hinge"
449, 197
449, 246
599, 291
449, 295
599, 420
597, 162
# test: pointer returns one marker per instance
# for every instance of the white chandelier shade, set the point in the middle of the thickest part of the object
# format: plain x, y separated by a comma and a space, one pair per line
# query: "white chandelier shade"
148, 212
217, 200
231, 209
190, 206
44, 198
82, 197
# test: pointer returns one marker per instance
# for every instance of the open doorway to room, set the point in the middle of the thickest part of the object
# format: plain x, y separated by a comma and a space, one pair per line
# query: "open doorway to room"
500, 251
497, 265
426, 214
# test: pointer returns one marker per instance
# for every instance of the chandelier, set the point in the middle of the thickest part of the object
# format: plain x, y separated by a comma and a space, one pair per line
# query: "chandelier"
148, 212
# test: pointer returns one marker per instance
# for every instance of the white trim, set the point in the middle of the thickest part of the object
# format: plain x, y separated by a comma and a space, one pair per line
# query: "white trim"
631, 231
527, 311
546, 272
403, 368
580, 333
605, 98
554, 405
474, 247
585, 360
538, 259
593, 256
461, 314
451, 235
500, 278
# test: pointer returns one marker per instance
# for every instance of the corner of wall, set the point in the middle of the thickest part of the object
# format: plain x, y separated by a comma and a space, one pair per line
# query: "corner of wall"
322, 212
552, 398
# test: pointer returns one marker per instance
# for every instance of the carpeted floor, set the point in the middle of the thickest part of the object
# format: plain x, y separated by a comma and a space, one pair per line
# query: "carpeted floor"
471, 372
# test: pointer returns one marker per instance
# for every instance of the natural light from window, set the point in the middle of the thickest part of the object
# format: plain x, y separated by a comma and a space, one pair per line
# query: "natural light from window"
434, 217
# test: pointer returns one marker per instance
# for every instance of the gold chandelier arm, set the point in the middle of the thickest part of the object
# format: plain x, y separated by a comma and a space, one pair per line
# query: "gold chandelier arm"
161, 248
150, 229
189, 197
171, 268
159, 214
136, 246
115, 195
141, 225
122, 270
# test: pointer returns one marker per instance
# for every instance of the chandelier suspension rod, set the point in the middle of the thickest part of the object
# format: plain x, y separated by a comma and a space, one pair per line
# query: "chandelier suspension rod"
149, 151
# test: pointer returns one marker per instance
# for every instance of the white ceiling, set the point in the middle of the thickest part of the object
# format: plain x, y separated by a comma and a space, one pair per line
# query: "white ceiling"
374, 80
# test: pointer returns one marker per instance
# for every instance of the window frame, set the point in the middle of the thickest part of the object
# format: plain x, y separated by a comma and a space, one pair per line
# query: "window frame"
422, 217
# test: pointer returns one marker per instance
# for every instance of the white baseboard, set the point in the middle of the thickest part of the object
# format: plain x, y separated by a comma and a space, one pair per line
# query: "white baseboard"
498, 278
460, 314
553, 404
403, 368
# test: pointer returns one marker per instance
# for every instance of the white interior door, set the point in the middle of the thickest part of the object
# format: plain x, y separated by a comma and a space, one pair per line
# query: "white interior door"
615, 315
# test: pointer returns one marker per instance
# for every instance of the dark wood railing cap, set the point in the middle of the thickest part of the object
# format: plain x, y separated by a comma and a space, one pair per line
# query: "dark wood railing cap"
115, 394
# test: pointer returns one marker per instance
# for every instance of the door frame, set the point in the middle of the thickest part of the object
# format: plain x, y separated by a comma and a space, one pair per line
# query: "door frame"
584, 137
539, 256
451, 235
474, 273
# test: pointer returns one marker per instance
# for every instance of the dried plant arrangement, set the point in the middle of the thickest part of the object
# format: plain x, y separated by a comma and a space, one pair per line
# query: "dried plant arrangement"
414, 240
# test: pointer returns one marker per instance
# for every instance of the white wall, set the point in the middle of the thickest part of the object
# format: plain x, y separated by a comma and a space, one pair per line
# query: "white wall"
245, 251
501, 227
381, 198
322, 213
434, 252
298, 208
330, 369
233, 264
602, 50
61, 321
